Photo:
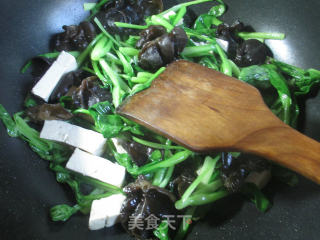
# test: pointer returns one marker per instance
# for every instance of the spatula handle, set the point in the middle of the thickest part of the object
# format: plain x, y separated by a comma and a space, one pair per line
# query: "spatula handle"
287, 147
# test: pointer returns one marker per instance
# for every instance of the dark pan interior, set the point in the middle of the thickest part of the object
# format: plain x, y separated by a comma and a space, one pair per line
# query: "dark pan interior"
28, 189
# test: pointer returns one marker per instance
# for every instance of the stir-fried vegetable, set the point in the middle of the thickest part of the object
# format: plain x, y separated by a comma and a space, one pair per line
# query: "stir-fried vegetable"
121, 48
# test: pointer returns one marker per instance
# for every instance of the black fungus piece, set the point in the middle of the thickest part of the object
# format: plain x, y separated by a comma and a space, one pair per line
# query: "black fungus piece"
139, 153
235, 170
243, 53
127, 11
149, 57
40, 65
108, 18
75, 37
180, 184
180, 39
44, 112
150, 7
184, 174
163, 49
230, 34
145, 201
68, 82
251, 52
90, 93
150, 34
166, 47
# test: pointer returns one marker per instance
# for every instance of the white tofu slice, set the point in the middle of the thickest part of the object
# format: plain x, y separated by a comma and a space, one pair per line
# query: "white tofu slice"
96, 167
260, 179
65, 63
118, 146
73, 135
223, 44
105, 212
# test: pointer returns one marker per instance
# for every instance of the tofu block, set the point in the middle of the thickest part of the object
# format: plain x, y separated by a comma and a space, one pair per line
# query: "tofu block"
105, 212
96, 167
65, 63
87, 140
260, 179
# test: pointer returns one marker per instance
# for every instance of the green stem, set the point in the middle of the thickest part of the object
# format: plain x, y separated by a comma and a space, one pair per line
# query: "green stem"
175, 159
101, 48
129, 51
226, 67
96, 20
159, 20
261, 35
209, 188
198, 51
127, 68
235, 68
184, 226
97, 196
139, 87
193, 33
159, 176
156, 145
99, 73
182, 11
96, 8
167, 177
201, 199
129, 25
186, 4
113, 58
82, 57
206, 172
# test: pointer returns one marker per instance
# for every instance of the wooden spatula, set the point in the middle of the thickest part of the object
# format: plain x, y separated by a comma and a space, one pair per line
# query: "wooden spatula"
205, 110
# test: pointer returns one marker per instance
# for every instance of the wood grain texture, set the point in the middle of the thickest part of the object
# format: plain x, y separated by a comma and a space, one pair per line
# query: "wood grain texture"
205, 110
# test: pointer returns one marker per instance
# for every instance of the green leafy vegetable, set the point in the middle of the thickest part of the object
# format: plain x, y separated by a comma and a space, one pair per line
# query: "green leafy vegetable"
63, 212
198, 193
300, 80
256, 196
162, 231
48, 150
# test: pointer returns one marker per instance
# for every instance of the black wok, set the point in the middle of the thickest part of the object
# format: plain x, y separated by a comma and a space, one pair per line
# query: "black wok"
28, 189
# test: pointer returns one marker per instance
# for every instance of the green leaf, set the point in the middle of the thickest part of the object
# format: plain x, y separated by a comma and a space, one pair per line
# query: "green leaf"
46, 149
125, 160
257, 76
301, 80
156, 156
8, 122
218, 10
279, 83
62, 212
204, 21
109, 125
30, 101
